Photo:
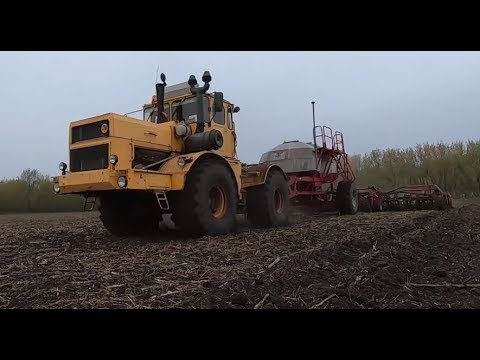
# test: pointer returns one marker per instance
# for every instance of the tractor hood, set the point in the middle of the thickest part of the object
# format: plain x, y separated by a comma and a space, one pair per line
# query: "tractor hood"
118, 126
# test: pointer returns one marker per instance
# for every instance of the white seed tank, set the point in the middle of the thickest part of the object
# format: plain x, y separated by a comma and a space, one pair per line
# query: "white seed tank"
297, 157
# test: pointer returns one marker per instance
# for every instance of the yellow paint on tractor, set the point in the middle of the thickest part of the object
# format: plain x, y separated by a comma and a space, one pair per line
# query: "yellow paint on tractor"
126, 134
180, 159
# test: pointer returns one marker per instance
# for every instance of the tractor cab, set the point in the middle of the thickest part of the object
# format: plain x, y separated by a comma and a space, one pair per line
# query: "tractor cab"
192, 110
180, 105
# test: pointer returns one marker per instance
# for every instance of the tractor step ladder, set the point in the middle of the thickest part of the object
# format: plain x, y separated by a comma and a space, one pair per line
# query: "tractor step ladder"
162, 200
90, 203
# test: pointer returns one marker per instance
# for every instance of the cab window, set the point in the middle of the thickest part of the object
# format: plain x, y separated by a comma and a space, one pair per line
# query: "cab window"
229, 118
219, 117
151, 114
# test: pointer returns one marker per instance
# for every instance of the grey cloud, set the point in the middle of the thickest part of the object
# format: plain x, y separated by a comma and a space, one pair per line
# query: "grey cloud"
377, 99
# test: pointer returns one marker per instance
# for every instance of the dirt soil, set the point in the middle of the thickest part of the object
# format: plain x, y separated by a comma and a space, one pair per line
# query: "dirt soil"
422, 259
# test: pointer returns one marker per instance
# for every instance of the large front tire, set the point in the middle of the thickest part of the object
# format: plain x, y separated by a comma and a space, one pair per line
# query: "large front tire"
208, 203
125, 213
268, 204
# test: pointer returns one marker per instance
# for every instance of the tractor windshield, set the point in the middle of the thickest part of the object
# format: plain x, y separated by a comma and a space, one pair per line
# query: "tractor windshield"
151, 114
186, 110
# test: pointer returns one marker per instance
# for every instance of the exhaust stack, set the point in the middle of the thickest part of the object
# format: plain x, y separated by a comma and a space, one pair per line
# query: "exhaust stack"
198, 92
160, 99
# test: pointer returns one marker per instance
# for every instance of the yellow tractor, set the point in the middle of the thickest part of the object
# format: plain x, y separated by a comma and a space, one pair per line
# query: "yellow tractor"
180, 159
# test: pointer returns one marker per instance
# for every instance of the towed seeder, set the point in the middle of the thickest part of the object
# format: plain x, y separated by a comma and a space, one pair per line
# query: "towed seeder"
319, 174
412, 197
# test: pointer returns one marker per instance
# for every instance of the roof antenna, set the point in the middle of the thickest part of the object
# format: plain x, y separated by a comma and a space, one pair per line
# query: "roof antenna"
156, 77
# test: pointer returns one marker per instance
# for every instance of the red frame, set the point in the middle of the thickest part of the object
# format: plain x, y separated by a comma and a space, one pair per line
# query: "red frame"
309, 186
407, 197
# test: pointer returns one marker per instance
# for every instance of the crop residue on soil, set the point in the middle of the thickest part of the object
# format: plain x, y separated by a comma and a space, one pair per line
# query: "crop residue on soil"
422, 259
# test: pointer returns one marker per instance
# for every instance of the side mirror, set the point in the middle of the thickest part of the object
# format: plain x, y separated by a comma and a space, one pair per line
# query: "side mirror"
218, 102
236, 109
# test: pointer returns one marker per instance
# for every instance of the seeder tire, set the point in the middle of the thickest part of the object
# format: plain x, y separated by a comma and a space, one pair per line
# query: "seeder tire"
346, 198
377, 204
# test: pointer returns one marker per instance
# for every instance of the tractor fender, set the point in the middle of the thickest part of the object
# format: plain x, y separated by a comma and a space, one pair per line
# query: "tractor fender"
253, 175
179, 172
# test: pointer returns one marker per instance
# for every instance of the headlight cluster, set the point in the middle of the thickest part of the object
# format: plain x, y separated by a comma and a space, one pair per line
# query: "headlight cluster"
113, 159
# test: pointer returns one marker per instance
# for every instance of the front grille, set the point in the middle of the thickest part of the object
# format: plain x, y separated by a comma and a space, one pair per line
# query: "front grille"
90, 158
89, 131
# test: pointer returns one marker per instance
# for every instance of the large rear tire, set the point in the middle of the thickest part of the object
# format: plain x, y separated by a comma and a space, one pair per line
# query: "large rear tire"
208, 203
268, 204
347, 198
125, 213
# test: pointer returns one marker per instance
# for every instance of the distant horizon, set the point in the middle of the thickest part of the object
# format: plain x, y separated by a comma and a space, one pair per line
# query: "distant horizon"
378, 100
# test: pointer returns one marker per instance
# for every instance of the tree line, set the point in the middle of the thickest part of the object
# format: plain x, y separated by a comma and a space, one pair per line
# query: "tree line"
33, 192
454, 167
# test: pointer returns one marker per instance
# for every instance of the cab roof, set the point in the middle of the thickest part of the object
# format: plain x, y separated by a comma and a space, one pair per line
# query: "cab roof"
177, 91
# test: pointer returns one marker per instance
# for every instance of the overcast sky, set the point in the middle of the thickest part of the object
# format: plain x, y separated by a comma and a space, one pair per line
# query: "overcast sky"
377, 99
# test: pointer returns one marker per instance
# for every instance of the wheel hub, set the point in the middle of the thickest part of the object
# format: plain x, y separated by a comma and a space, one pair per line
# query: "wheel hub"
218, 202
278, 201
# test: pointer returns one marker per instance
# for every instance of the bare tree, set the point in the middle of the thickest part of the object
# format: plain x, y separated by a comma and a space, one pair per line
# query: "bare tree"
32, 179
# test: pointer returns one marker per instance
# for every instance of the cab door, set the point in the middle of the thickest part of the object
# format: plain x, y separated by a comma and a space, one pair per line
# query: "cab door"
220, 122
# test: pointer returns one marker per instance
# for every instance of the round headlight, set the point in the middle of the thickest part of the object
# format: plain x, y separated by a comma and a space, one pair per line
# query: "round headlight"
113, 159
62, 166
104, 128
56, 188
122, 181
181, 161
182, 130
